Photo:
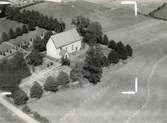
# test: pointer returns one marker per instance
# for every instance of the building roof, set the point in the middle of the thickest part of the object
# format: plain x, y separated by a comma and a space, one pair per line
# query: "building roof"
27, 36
65, 38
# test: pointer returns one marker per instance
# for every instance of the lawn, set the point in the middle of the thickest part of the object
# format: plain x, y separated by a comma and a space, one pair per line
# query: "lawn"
7, 117
6, 24
104, 102
109, 18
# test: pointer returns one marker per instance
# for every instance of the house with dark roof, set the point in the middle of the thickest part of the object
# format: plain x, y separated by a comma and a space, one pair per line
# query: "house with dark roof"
62, 44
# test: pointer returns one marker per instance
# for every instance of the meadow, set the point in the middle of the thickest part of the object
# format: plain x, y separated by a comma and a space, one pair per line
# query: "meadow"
109, 18
104, 102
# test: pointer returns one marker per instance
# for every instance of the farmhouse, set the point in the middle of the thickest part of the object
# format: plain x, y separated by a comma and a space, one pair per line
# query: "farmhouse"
62, 44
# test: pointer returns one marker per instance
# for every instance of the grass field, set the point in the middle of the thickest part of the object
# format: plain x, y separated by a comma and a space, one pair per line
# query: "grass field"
109, 18
7, 117
161, 13
104, 103
144, 6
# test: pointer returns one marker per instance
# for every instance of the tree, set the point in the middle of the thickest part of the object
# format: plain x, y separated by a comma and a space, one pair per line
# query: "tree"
20, 97
62, 25
35, 58
129, 49
18, 62
76, 74
62, 79
36, 90
18, 31
122, 51
93, 33
12, 71
25, 29
4, 37
102, 58
12, 34
113, 57
92, 66
47, 37
51, 84
31, 27
105, 40
81, 23
112, 44
39, 44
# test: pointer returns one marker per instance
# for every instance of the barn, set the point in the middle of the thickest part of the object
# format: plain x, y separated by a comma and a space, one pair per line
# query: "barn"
62, 44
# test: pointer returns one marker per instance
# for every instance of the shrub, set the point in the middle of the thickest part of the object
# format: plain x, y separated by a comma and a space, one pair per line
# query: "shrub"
35, 58
112, 44
12, 34
122, 51
18, 31
105, 40
20, 97
31, 27
26, 110
40, 118
130, 50
104, 61
76, 72
113, 57
51, 84
25, 29
4, 36
92, 66
62, 78
36, 90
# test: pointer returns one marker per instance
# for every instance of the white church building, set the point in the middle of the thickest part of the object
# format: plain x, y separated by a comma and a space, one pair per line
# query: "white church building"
62, 44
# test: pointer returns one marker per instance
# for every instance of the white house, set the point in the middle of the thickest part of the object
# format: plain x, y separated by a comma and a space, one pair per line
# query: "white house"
62, 44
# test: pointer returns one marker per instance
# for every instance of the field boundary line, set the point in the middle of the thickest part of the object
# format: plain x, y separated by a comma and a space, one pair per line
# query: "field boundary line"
17, 111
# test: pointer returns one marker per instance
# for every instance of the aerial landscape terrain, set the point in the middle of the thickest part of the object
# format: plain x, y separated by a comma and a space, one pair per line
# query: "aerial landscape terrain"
83, 61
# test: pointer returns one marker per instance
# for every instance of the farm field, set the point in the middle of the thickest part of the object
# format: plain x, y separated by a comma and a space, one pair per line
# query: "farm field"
104, 103
109, 18
138, 34
7, 117
161, 13
144, 7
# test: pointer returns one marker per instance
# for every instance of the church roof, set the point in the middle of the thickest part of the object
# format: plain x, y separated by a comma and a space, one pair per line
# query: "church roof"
65, 38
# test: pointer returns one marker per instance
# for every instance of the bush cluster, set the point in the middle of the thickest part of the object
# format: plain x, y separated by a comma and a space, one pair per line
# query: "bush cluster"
36, 90
34, 18
12, 34
119, 51
19, 97
52, 84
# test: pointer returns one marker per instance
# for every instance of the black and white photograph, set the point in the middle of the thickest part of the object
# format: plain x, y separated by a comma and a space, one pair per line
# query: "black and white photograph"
83, 61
